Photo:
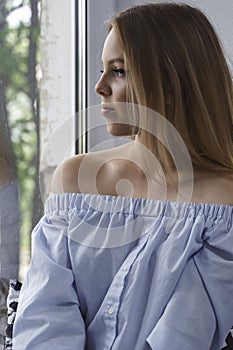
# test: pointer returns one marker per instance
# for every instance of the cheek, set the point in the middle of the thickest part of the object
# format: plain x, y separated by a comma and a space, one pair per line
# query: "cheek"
120, 92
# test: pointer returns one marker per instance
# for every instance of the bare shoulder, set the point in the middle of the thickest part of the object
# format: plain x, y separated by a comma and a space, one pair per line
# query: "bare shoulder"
226, 188
79, 173
216, 188
65, 176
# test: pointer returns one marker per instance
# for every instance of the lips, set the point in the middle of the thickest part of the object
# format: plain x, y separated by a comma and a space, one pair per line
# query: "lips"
106, 108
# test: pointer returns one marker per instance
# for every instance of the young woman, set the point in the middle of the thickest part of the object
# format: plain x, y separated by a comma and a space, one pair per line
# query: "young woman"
135, 250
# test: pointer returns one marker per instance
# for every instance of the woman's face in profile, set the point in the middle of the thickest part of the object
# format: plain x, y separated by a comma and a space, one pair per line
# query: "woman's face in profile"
112, 86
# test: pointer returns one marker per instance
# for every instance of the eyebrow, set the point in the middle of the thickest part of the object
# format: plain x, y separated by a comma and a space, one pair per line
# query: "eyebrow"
118, 59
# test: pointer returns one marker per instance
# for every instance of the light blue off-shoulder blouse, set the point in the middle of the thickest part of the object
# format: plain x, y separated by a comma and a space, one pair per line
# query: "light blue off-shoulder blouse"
127, 274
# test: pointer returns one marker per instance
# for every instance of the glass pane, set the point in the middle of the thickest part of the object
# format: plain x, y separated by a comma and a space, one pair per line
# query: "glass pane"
20, 203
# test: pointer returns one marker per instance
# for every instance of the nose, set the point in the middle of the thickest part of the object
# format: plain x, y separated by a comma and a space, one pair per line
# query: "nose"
102, 87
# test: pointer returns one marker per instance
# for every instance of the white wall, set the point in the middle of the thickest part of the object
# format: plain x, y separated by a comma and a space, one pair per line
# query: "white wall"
57, 84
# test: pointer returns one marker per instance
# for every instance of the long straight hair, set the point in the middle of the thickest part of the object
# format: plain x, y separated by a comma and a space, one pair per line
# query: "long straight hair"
176, 66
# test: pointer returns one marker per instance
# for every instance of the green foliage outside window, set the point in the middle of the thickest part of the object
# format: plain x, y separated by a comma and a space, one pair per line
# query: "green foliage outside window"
19, 97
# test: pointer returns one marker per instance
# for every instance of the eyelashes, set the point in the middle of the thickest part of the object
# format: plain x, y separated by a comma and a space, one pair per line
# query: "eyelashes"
117, 72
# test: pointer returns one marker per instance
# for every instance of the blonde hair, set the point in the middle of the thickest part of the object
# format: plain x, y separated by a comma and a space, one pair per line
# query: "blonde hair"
176, 66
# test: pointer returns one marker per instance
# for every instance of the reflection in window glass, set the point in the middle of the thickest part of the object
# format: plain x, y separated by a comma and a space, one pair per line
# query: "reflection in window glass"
20, 203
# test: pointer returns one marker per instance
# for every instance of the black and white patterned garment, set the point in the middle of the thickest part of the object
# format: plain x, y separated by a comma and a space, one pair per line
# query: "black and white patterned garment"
4, 285
12, 303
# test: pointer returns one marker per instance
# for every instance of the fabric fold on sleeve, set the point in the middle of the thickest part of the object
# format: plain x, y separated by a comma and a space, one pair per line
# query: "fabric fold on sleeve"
178, 325
204, 293
48, 315
215, 265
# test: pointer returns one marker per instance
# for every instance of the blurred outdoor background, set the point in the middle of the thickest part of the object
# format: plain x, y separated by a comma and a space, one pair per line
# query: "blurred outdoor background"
20, 76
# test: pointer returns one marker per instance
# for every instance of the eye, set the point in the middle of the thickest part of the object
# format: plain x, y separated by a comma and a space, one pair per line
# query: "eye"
118, 72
